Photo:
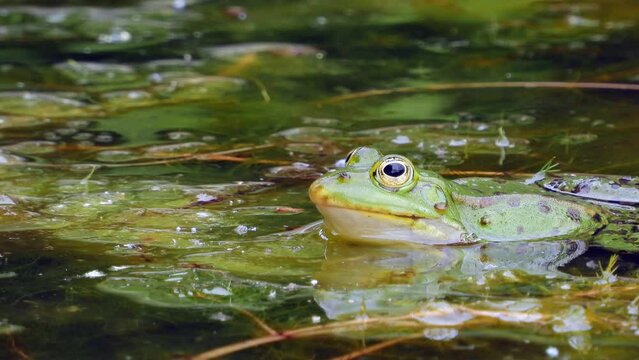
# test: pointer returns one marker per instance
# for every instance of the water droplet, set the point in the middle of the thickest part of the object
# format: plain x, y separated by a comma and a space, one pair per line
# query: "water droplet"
573, 319
116, 36
218, 291
93, 274
401, 140
440, 334
241, 229
552, 351
457, 142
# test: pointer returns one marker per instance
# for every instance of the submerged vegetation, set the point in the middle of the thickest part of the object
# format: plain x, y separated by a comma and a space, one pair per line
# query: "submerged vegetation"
155, 157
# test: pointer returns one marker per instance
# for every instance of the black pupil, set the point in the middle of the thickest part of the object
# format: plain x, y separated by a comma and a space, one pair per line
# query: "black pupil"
394, 169
348, 157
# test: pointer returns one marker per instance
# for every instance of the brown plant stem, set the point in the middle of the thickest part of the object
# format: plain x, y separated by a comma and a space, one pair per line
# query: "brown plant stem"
13, 347
213, 156
483, 85
408, 320
376, 347
263, 325
481, 173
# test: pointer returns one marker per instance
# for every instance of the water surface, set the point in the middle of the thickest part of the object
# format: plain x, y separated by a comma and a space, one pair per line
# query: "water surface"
154, 153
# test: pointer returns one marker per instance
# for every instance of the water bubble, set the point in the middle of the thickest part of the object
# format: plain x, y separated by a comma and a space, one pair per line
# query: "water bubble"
179, 4
32, 147
272, 295
174, 150
241, 229
220, 316
502, 141
51, 136
321, 20
179, 135
573, 319
580, 342
633, 309
78, 124
116, 156
441, 334
217, 291
307, 120
156, 78
521, 119
83, 136
457, 142
94, 274
106, 138
116, 36
442, 314
401, 140
552, 351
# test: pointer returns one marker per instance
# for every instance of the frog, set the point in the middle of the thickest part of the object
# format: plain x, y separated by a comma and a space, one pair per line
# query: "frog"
384, 199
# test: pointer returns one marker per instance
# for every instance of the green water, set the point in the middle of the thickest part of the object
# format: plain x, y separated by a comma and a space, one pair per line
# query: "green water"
153, 155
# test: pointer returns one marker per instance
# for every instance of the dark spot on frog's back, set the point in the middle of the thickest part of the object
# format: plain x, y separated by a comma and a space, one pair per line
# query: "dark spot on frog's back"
625, 180
573, 214
597, 217
514, 201
520, 230
543, 207
478, 202
582, 187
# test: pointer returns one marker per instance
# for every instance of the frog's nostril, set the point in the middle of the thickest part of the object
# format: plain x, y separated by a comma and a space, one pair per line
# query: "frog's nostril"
343, 177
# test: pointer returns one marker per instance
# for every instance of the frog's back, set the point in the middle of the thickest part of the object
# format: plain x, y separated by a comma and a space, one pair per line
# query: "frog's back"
504, 210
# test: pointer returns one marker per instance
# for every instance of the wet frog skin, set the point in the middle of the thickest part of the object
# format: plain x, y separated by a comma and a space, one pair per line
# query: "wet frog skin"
377, 198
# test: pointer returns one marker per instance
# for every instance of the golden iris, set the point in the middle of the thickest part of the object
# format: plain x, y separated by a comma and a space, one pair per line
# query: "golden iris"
395, 172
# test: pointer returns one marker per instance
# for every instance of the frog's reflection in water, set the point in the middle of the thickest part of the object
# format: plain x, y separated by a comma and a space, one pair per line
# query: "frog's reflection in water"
393, 281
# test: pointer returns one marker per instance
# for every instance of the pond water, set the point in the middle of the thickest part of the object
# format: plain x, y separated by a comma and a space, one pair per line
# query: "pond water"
155, 158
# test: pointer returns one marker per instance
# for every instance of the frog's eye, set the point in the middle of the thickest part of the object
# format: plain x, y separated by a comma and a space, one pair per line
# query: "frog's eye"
350, 155
395, 172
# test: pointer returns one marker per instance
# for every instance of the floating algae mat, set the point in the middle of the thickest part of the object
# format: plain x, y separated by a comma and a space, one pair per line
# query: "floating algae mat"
156, 155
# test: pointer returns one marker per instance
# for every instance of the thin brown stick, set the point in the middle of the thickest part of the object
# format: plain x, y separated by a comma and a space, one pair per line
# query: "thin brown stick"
292, 334
263, 325
233, 348
481, 173
483, 85
214, 156
239, 66
13, 347
376, 347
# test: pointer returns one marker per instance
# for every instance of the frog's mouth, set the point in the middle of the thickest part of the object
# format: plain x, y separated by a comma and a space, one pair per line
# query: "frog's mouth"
360, 223
376, 227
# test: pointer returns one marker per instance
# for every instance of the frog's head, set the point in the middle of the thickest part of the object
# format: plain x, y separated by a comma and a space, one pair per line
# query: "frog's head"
384, 198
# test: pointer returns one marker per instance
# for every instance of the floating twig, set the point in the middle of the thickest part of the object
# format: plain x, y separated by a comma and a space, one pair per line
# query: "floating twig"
483, 317
376, 347
263, 325
13, 347
213, 156
481, 173
483, 85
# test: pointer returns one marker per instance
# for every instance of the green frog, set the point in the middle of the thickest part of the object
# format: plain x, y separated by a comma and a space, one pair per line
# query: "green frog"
380, 199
